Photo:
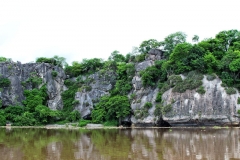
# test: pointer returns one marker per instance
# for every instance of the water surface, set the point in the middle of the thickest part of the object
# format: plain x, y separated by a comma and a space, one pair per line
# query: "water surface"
119, 144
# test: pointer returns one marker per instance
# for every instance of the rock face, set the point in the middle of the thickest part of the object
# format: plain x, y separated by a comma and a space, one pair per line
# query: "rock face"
20, 75
142, 116
190, 108
215, 107
155, 54
99, 85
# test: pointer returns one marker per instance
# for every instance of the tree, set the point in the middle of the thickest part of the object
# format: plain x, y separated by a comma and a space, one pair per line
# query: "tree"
195, 38
111, 108
171, 41
60, 61
4, 59
227, 38
145, 46
211, 62
178, 59
116, 56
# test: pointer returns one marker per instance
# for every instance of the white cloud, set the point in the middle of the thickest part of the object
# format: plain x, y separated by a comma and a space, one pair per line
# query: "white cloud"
87, 29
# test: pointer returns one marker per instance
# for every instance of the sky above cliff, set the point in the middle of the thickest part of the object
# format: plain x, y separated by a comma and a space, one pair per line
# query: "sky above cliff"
80, 29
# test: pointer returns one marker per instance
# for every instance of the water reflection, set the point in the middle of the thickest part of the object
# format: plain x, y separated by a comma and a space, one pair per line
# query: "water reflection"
108, 144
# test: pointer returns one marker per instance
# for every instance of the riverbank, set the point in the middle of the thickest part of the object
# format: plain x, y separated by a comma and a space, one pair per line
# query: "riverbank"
56, 126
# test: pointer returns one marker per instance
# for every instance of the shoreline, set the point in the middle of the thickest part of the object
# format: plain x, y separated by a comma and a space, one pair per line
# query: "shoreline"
114, 127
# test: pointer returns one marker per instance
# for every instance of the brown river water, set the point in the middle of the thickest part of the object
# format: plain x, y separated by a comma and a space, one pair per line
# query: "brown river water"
120, 144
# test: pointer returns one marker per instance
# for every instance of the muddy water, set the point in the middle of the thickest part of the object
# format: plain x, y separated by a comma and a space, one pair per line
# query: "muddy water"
122, 144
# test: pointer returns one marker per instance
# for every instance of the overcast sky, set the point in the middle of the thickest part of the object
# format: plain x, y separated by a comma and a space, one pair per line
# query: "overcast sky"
77, 29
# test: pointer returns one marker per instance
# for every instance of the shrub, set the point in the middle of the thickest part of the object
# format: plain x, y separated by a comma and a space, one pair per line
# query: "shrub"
140, 57
2, 118
83, 122
133, 96
159, 97
223, 84
88, 88
140, 114
165, 87
111, 123
211, 77
149, 76
238, 101
147, 105
75, 102
192, 81
174, 80
54, 73
4, 82
230, 90
74, 116
162, 110
201, 90
238, 111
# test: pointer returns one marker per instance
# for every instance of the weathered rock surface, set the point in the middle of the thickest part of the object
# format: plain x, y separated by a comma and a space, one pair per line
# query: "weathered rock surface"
190, 108
215, 107
143, 117
100, 84
19, 74
155, 54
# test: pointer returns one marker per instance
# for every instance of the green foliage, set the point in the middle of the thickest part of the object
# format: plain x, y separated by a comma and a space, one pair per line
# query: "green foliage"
140, 57
184, 58
73, 116
238, 111
45, 115
56, 60
34, 98
46, 60
111, 108
141, 113
145, 46
75, 102
192, 81
195, 38
34, 80
111, 123
152, 74
201, 90
230, 90
68, 96
2, 118
147, 105
54, 73
159, 97
211, 77
125, 73
133, 96
4, 82
115, 56
161, 110
86, 67
149, 76
26, 119
13, 111
4, 59
83, 122
211, 62
34, 111
238, 101
172, 40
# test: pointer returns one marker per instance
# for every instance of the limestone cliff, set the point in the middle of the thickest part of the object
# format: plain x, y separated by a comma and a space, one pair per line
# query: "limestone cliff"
214, 107
98, 85
20, 76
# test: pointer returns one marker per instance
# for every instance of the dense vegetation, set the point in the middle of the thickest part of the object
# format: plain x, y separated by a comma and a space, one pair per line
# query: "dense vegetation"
213, 57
